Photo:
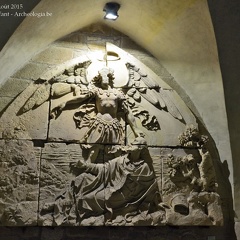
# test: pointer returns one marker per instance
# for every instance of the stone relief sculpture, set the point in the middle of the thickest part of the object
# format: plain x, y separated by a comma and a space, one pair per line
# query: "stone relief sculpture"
207, 178
118, 191
19, 183
102, 105
116, 163
192, 183
101, 116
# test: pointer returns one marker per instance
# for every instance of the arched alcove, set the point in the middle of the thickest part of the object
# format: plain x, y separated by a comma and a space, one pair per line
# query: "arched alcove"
80, 45
181, 36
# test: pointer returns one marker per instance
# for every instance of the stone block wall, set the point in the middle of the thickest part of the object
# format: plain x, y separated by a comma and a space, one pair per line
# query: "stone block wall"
116, 233
75, 45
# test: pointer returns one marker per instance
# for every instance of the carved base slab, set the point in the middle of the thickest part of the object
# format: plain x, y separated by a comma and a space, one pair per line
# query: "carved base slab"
112, 191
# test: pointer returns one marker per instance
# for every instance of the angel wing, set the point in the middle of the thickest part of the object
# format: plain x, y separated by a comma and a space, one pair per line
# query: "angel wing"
40, 95
141, 85
71, 77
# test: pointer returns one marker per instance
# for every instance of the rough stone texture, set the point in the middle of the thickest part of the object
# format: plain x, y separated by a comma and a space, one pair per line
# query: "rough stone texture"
58, 158
80, 52
55, 179
165, 35
94, 41
165, 134
170, 127
19, 183
55, 174
67, 131
28, 125
75, 41
54, 55
173, 233
130, 46
5, 101
31, 71
157, 165
154, 216
13, 87
116, 233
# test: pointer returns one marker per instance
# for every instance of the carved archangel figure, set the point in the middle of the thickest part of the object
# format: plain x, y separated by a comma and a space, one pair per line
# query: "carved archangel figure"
102, 105
100, 112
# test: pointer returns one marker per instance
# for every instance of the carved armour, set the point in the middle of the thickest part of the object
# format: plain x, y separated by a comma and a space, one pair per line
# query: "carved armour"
103, 131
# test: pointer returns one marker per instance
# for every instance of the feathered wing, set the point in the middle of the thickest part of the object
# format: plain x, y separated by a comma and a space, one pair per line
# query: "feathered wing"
71, 77
40, 95
141, 85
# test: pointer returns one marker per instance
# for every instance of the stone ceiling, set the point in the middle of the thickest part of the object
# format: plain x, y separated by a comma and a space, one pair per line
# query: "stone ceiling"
162, 27
179, 34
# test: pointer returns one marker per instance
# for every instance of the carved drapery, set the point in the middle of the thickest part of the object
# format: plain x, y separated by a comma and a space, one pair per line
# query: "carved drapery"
118, 147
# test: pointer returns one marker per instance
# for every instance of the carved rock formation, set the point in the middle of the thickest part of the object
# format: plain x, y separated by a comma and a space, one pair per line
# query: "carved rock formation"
109, 151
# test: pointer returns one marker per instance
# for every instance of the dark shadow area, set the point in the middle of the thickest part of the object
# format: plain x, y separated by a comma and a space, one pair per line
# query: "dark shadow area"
224, 186
226, 21
116, 233
9, 21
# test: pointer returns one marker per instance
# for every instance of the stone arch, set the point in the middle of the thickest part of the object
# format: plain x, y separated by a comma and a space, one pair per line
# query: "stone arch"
55, 146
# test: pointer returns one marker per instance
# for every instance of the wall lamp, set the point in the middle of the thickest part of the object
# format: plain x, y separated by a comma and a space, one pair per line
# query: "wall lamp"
111, 9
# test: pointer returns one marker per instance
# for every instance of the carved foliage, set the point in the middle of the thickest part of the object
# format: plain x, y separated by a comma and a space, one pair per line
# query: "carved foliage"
190, 184
103, 181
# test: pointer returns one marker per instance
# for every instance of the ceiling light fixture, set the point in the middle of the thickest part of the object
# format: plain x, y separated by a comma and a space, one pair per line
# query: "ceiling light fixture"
111, 9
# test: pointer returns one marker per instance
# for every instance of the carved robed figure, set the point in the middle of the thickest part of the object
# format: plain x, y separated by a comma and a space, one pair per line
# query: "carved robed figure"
106, 180
124, 185
102, 120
